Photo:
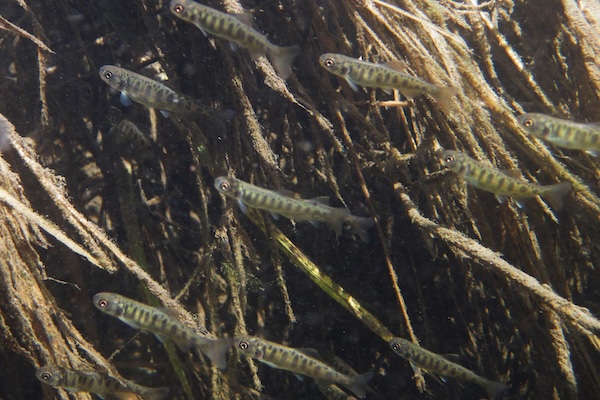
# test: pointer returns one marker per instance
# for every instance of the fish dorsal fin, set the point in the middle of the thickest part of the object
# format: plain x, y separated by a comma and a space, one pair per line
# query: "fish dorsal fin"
513, 173
310, 352
451, 357
245, 18
320, 200
288, 193
396, 65
170, 312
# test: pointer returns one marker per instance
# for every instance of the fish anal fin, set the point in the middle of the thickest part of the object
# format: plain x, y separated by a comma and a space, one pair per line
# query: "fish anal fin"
337, 218
300, 377
396, 65
501, 198
165, 113
387, 90
275, 215
124, 396
520, 201
593, 153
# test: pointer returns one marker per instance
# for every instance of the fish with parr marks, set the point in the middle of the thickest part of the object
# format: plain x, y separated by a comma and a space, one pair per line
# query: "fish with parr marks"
435, 363
386, 76
96, 382
295, 208
238, 29
562, 132
154, 94
163, 324
503, 183
300, 363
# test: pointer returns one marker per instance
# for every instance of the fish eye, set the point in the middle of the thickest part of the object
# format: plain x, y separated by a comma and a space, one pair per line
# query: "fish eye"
102, 303
46, 376
243, 345
395, 346
449, 158
329, 62
225, 186
528, 122
108, 74
178, 8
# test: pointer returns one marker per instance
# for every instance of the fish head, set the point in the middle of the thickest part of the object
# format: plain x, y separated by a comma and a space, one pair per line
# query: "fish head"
227, 186
400, 346
181, 9
250, 346
534, 124
109, 303
113, 77
334, 63
449, 158
50, 374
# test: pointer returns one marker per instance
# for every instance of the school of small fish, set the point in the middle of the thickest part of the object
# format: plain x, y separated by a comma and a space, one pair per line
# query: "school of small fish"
327, 372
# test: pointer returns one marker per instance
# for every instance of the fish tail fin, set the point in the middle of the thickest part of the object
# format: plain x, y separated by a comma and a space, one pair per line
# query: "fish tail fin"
361, 225
444, 96
156, 393
216, 350
555, 193
358, 385
337, 218
282, 58
494, 388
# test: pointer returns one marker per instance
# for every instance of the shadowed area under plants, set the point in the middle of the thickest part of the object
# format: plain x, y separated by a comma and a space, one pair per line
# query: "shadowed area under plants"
89, 205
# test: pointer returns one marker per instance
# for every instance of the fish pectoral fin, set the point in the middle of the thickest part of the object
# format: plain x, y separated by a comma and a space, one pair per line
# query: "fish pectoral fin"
270, 364
316, 224
234, 46
352, 84
125, 101
396, 65
245, 18
165, 113
243, 207
512, 172
161, 338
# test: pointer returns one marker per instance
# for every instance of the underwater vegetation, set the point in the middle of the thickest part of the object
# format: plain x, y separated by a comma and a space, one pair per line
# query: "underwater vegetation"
150, 148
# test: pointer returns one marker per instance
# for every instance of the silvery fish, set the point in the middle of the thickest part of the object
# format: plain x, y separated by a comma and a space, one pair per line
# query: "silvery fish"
154, 94
503, 183
96, 382
435, 363
283, 203
300, 363
386, 76
164, 325
237, 28
562, 132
